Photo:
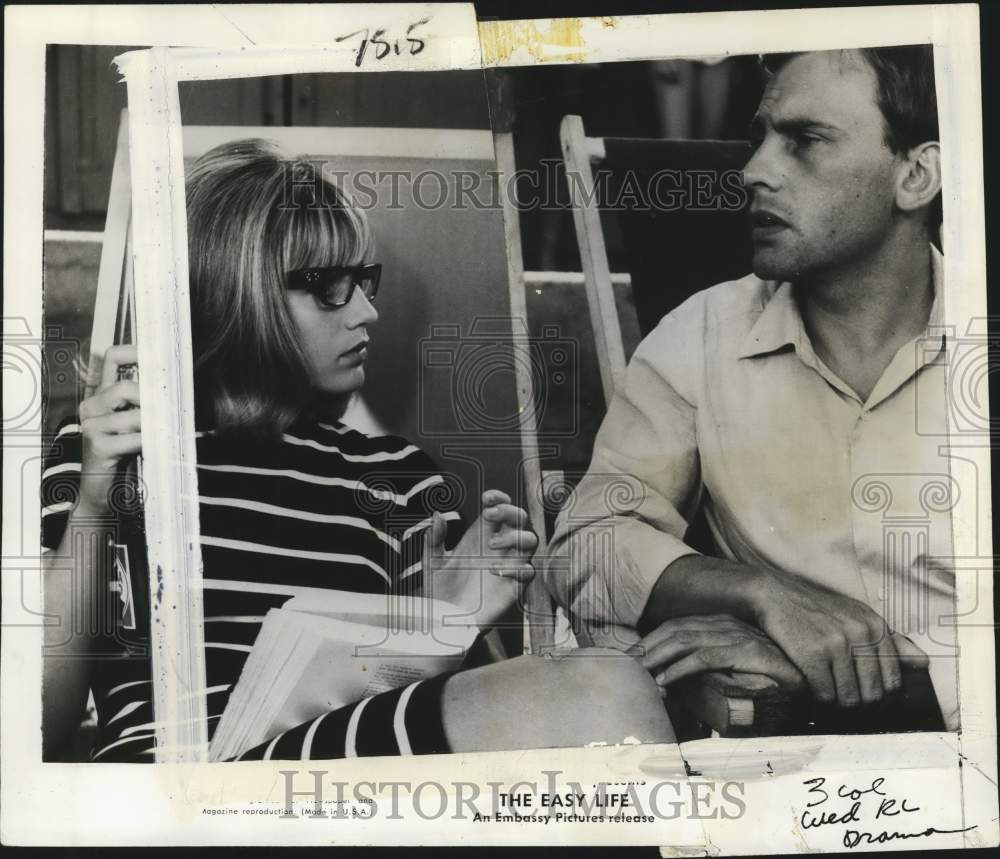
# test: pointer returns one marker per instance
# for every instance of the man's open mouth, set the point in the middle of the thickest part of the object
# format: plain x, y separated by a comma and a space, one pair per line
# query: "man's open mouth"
763, 219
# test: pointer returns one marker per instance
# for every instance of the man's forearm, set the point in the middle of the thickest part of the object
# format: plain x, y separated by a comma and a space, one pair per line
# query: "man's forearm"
837, 642
697, 584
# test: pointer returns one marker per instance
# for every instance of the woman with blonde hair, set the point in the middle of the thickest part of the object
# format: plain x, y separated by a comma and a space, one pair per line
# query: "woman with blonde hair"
283, 284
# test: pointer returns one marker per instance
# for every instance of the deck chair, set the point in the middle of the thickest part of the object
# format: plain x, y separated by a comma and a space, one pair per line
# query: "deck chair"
695, 232
688, 232
654, 295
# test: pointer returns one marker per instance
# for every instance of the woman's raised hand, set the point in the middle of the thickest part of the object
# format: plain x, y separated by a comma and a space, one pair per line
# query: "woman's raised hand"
510, 541
485, 572
109, 424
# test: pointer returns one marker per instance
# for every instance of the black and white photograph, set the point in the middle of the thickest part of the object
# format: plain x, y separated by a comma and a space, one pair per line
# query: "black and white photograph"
759, 449
560, 415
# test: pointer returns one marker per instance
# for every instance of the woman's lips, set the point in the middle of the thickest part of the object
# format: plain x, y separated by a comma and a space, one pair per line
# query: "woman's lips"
358, 353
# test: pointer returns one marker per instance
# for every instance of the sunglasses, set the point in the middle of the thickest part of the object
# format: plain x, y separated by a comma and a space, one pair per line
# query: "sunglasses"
333, 286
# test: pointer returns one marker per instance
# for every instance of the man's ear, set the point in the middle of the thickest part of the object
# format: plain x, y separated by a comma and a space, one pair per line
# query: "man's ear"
920, 177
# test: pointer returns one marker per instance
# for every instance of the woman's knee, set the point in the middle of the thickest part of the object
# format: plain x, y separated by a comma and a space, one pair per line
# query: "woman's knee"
615, 674
581, 697
616, 696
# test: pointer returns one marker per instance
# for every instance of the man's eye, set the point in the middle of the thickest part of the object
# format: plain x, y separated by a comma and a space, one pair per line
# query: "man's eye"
806, 139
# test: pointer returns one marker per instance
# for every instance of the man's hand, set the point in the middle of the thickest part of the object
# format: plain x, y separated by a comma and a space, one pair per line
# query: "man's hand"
683, 646
846, 651
485, 572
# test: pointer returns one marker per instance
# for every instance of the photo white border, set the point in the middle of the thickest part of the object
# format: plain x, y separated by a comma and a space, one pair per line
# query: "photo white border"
54, 803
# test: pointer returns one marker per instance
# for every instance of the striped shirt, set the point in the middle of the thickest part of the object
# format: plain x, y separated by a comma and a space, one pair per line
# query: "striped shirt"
325, 507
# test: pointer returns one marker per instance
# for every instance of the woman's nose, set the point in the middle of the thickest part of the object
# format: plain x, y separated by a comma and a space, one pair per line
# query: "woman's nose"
360, 310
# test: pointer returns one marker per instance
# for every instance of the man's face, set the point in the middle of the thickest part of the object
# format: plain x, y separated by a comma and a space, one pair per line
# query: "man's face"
822, 178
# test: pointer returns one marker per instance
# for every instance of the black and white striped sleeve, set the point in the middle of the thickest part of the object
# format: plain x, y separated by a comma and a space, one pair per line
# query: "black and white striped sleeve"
60, 484
403, 721
433, 491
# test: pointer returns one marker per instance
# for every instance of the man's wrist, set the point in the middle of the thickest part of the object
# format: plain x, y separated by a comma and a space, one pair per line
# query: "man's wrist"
751, 588
716, 585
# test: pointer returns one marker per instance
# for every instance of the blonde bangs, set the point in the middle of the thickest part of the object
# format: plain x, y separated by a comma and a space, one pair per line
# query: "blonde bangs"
321, 228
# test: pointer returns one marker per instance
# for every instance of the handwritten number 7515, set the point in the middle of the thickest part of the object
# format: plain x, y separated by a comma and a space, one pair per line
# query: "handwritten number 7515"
382, 47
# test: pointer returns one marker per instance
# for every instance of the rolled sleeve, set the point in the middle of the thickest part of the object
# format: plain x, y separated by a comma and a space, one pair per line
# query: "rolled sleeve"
625, 522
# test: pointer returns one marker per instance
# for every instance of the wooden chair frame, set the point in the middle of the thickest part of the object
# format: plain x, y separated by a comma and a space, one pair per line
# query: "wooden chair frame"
580, 152
545, 625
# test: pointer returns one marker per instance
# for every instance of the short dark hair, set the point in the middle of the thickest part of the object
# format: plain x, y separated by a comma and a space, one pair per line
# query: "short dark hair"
905, 91
905, 95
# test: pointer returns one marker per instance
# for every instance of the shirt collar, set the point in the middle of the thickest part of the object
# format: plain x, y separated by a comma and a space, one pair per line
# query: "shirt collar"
780, 323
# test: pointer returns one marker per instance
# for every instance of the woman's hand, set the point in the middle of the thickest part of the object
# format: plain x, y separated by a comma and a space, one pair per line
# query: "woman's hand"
689, 645
109, 433
485, 572
109, 424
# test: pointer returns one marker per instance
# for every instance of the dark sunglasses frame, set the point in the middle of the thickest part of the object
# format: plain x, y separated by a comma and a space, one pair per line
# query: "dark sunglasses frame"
316, 280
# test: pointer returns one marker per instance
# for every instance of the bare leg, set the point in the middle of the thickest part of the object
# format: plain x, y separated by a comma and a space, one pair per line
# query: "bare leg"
532, 702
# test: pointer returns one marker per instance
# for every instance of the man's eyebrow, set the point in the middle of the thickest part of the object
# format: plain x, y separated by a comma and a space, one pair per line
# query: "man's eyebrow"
790, 124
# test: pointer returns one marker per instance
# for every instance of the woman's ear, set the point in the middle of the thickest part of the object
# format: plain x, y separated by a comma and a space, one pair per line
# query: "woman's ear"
920, 177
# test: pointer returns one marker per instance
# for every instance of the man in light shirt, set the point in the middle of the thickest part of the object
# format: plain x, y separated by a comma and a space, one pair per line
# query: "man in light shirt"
803, 405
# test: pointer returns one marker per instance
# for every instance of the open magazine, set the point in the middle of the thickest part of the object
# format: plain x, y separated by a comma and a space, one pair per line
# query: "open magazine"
327, 650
